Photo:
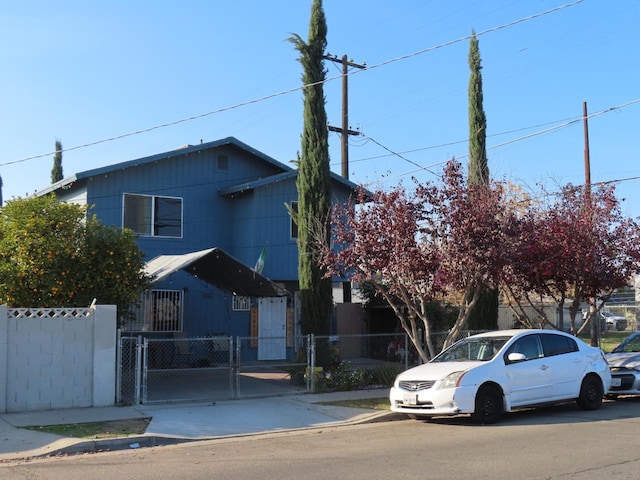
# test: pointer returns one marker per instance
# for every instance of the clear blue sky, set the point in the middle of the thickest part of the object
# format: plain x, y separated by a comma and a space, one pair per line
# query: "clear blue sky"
88, 71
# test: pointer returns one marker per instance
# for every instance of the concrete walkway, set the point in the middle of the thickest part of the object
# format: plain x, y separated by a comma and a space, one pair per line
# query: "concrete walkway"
182, 422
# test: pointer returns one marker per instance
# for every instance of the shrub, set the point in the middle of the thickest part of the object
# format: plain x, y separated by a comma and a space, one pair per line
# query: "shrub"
343, 377
386, 373
297, 374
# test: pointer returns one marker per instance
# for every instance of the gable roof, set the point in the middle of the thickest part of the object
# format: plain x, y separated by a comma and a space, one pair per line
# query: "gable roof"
287, 173
231, 141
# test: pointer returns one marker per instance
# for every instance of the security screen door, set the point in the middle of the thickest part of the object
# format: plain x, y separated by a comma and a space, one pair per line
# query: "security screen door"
272, 320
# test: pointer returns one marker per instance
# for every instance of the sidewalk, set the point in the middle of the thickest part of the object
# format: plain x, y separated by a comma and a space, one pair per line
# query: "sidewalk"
176, 423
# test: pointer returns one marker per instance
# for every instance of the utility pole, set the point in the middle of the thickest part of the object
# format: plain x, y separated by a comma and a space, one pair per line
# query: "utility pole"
595, 323
587, 160
344, 130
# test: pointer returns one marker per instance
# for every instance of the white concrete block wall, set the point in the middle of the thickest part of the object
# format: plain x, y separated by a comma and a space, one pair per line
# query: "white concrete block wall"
57, 361
104, 356
4, 357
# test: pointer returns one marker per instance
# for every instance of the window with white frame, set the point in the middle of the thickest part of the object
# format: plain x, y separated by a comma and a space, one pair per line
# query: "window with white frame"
157, 311
241, 304
153, 215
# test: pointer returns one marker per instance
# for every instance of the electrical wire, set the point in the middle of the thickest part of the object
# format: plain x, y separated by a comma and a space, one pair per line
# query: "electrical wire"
291, 90
467, 37
566, 123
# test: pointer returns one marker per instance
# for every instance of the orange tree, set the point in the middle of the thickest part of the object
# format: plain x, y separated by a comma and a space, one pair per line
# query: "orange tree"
52, 254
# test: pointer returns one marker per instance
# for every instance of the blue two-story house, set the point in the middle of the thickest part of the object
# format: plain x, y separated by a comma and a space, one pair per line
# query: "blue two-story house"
203, 214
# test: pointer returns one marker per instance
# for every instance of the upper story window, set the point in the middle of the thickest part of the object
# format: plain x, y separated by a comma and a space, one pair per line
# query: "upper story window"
153, 215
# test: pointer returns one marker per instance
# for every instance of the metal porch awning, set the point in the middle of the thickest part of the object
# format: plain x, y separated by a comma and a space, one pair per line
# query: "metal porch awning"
218, 268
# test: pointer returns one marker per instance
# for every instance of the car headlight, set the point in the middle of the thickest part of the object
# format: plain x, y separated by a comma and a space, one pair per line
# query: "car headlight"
453, 379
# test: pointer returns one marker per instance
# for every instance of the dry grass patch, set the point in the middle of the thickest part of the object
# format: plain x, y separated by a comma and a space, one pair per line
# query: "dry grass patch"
97, 430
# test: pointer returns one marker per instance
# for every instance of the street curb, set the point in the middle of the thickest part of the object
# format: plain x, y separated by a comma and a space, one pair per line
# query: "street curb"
147, 441
113, 444
101, 445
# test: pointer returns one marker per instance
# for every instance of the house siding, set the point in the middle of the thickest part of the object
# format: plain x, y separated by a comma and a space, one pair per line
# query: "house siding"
261, 218
193, 177
239, 209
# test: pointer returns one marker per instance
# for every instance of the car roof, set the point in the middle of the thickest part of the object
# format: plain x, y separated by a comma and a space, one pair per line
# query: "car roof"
517, 331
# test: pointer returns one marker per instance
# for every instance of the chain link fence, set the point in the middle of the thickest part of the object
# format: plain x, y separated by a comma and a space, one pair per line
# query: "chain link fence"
129, 370
630, 311
155, 370
186, 369
268, 366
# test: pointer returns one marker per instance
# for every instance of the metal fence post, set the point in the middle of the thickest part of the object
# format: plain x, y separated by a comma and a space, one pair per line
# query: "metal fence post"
140, 379
118, 366
235, 370
311, 363
231, 373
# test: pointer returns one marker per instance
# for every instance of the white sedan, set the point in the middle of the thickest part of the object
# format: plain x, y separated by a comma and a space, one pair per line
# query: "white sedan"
491, 373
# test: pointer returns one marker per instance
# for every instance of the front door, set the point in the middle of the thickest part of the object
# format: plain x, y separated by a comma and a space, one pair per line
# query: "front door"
530, 379
272, 321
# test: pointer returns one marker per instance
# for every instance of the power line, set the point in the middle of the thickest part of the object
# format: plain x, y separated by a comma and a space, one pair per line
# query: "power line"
285, 92
484, 32
566, 123
541, 195
163, 125
421, 167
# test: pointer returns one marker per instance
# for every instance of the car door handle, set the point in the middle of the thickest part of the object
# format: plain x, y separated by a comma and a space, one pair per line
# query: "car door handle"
544, 367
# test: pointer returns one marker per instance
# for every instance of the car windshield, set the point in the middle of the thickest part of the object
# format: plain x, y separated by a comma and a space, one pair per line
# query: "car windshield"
473, 348
629, 344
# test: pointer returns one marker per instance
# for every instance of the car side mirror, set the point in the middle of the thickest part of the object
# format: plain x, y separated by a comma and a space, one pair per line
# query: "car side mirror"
516, 357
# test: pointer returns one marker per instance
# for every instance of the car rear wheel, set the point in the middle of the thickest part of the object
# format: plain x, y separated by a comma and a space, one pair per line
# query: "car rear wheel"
591, 393
489, 405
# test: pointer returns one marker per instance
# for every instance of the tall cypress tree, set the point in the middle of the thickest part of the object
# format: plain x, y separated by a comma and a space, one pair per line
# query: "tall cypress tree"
478, 167
484, 316
313, 183
56, 171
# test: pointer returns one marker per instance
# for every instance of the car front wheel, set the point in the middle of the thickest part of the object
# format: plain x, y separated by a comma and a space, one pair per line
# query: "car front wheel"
489, 405
591, 393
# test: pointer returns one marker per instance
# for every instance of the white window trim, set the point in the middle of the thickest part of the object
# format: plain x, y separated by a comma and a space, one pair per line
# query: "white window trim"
152, 216
241, 303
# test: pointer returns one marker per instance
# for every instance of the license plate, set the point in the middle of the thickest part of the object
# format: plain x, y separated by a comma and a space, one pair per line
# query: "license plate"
410, 399
616, 382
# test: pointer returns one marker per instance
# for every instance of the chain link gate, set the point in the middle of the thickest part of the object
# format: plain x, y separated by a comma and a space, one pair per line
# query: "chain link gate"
128, 377
157, 370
